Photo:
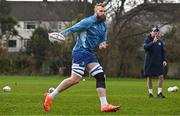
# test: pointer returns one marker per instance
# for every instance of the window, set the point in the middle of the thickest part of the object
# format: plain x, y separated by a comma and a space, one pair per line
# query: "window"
12, 43
53, 25
60, 25
27, 43
29, 25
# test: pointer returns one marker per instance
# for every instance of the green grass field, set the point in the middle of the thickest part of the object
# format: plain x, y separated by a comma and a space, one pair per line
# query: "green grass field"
26, 97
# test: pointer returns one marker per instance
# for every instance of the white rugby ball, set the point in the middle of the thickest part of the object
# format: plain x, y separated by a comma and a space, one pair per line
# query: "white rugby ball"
176, 87
170, 89
51, 89
173, 89
7, 89
56, 37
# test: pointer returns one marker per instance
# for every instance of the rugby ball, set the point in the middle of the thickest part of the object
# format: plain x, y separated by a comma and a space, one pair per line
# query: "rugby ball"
51, 89
176, 88
7, 89
170, 89
173, 89
56, 37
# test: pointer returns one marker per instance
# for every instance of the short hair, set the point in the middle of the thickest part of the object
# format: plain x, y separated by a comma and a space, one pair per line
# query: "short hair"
98, 4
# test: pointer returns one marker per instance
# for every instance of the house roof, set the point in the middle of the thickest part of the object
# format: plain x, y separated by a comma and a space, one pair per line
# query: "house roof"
49, 11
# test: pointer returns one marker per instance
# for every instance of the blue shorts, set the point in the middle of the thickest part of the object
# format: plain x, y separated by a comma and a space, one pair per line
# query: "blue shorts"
80, 59
83, 58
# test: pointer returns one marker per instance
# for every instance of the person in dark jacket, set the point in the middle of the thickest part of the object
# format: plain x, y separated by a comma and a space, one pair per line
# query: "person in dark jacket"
155, 60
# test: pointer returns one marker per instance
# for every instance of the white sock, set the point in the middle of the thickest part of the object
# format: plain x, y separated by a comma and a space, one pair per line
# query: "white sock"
103, 101
54, 94
159, 90
150, 91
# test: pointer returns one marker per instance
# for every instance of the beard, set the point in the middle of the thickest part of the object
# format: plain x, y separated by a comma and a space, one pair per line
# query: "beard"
101, 18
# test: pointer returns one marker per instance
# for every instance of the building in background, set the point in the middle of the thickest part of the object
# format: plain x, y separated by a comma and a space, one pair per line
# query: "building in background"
49, 15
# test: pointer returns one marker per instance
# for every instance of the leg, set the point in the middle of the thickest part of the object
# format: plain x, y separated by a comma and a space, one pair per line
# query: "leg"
160, 81
160, 84
97, 72
65, 84
149, 82
100, 90
150, 86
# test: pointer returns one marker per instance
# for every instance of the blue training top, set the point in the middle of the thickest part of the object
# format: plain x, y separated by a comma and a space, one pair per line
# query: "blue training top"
90, 34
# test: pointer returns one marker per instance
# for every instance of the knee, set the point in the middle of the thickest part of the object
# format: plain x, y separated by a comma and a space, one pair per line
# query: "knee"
75, 80
100, 80
98, 73
161, 77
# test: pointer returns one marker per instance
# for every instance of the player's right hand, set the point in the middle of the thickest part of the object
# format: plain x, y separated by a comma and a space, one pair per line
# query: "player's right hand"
155, 39
102, 45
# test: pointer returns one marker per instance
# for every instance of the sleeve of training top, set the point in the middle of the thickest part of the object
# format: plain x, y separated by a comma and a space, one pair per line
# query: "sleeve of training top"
80, 26
163, 53
105, 36
147, 44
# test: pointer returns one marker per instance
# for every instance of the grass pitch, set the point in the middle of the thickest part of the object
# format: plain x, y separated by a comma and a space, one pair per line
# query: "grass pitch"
26, 97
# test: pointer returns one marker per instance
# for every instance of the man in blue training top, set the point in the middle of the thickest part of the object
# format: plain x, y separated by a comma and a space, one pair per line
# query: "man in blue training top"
91, 35
155, 60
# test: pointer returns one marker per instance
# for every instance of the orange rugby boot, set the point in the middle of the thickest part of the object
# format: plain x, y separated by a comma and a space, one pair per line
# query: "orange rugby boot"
47, 102
109, 108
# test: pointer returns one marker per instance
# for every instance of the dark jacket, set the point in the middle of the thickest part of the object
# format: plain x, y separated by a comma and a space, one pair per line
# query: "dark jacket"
154, 57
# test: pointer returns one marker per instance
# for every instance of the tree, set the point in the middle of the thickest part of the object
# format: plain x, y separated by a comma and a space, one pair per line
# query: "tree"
37, 48
8, 23
173, 43
97, 1
127, 32
7, 27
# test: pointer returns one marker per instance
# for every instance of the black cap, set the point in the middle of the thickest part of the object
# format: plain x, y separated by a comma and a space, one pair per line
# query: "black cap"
154, 28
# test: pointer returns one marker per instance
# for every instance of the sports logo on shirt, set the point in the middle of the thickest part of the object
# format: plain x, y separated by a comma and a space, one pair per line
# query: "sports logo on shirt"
95, 26
159, 43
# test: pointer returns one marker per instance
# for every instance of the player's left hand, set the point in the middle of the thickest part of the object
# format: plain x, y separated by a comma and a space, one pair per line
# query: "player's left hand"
102, 45
164, 63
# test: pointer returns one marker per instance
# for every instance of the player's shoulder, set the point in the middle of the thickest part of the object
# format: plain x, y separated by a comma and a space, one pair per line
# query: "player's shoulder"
90, 18
106, 24
146, 37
